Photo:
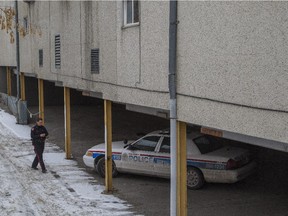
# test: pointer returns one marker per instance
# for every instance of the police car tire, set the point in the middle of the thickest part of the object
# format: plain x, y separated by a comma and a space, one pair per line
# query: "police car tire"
100, 167
195, 179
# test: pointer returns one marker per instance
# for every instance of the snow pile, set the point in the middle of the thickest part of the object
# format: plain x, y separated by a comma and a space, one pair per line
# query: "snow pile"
64, 190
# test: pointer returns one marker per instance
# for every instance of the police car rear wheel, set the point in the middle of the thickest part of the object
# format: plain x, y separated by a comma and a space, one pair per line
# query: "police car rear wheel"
100, 167
195, 179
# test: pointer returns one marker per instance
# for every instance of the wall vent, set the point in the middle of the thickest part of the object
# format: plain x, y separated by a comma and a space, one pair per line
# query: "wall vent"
57, 52
40, 57
26, 25
95, 61
28, 1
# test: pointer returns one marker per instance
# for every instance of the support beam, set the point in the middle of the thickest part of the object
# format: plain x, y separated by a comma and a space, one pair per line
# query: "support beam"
108, 145
9, 83
181, 169
67, 123
22, 84
41, 99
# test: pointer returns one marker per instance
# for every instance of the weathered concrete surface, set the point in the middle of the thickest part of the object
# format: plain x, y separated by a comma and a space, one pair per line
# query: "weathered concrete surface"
231, 58
232, 66
8, 50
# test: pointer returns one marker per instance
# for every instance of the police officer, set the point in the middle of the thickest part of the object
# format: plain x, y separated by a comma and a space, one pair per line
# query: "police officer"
38, 135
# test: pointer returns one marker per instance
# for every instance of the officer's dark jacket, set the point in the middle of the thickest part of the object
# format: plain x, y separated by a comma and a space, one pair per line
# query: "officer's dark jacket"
35, 134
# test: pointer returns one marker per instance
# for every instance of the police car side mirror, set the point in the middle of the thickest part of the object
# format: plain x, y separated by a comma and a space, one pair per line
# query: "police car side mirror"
125, 141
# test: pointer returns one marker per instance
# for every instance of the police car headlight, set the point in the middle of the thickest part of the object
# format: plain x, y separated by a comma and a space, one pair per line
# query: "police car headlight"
89, 154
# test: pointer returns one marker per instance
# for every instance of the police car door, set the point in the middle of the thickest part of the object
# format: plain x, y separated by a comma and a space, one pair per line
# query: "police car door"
139, 157
162, 161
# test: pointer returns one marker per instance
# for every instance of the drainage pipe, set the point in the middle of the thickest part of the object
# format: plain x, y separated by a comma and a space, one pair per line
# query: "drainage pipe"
173, 104
17, 58
17, 49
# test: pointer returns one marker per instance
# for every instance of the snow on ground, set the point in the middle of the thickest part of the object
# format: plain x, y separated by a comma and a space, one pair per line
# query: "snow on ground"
9, 121
64, 190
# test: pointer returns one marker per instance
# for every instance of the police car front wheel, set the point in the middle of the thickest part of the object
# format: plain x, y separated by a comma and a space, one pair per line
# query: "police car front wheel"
100, 167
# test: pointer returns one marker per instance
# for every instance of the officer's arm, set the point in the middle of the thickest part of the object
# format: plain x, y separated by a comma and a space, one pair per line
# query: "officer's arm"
46, 132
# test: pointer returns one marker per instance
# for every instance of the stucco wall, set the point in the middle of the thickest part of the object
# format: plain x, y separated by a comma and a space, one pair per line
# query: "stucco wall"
234, 52
25, 42
142, 56
8, 50
128, 56
231, 58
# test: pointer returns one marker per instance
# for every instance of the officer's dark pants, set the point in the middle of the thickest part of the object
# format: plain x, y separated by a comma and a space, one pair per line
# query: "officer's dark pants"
38, 149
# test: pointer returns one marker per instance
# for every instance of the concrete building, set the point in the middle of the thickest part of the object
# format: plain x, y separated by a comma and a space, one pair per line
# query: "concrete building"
231, 60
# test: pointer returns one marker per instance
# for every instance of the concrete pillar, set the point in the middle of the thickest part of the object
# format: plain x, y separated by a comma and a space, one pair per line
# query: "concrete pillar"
22, 84
67, 114
108, 145
181, 169
41, 99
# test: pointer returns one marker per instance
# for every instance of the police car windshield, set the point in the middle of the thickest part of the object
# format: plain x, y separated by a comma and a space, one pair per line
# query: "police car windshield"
207, 144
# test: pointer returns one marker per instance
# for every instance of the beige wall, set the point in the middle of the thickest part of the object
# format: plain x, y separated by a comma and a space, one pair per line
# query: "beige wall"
234, 52
7, 50
128, 56
231, 58
142, 52
25, 44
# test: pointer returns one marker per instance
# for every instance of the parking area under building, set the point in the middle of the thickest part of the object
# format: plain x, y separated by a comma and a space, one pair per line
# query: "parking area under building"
264, 193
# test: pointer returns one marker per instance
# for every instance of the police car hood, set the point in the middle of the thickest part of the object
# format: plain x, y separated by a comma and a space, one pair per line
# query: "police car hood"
116, 146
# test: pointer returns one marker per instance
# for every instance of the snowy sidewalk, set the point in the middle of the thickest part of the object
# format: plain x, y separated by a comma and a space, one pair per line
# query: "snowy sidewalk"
64, 190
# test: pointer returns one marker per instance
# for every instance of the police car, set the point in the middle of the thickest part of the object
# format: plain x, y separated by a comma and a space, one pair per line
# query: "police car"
207, 159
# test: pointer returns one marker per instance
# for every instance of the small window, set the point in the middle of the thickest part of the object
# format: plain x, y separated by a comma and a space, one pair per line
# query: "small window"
147, 143
26, 25
57, 52
95, 61
41, 58
165, 146
131, 12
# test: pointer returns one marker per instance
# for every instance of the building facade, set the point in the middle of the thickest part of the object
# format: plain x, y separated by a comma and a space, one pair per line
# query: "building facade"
231, 59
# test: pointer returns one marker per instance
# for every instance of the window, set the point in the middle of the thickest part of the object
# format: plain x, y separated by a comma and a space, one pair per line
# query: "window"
26, 25
57, 52
41, 58
165, 146
131, 12
95, 61
207, 144
146, 144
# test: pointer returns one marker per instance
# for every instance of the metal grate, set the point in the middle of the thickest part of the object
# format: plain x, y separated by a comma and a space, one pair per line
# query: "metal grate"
41, 58
95, 61
57, 52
